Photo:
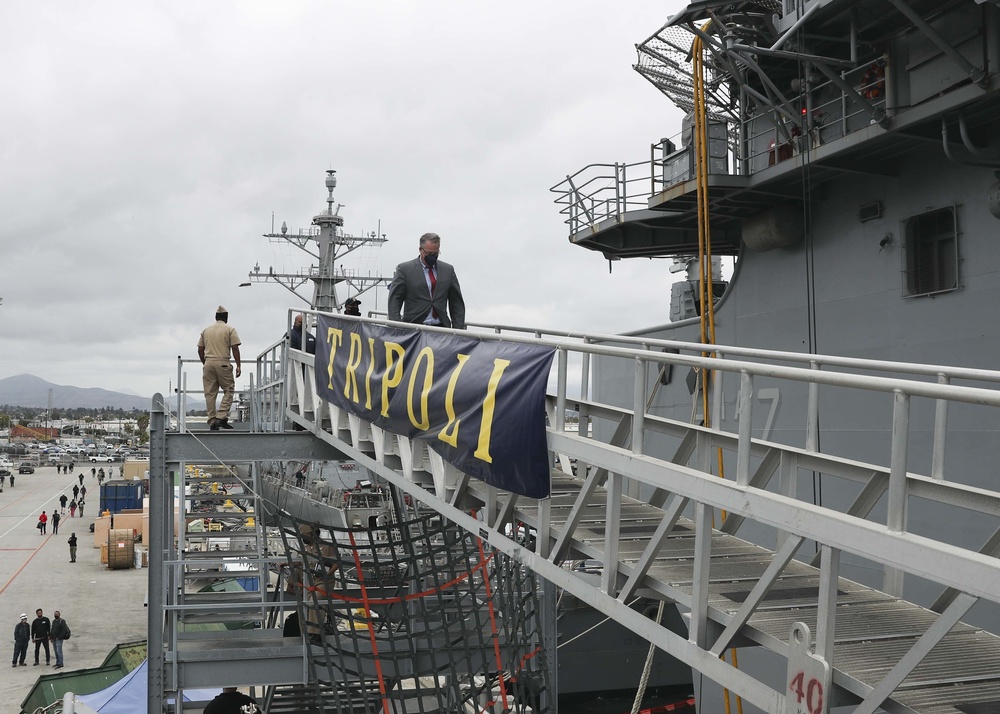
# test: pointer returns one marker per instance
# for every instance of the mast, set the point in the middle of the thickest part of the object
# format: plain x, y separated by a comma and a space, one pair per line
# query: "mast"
332, 244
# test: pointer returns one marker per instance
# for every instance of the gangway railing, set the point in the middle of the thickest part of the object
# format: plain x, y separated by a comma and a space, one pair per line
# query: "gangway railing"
644, 501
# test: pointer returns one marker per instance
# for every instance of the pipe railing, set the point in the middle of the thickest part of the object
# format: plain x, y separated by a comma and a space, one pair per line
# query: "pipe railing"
671, 461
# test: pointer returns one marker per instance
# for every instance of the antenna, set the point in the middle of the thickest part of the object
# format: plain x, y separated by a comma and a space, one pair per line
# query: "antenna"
327, 244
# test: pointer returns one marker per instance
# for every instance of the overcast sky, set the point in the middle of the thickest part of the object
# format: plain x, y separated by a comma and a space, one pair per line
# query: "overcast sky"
146, 145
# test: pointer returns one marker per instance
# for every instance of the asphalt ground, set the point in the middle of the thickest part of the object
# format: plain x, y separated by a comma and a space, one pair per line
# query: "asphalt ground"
102, 607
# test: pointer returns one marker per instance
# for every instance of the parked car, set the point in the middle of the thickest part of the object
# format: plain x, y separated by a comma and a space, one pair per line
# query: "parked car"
26, 467
101, 457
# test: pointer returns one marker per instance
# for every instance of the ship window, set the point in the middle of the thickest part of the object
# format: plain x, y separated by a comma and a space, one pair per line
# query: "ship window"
930, 253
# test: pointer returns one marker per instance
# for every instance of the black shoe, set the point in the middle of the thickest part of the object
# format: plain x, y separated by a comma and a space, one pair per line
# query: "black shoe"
36, 664
224, 424
58, 666
214, 426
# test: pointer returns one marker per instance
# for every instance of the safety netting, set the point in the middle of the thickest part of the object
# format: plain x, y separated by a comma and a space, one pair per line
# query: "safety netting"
415, 615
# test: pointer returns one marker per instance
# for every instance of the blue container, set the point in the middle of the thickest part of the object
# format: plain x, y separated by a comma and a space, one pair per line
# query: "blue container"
117, 496
251, 584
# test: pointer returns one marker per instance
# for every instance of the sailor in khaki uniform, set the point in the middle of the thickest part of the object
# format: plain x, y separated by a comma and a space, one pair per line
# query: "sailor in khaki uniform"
216, 343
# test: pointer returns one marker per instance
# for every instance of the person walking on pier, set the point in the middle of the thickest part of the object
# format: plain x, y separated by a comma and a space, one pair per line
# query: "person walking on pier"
72, 547
72, 508
55, 522
81, 478
216, 343
58, 633
80, 503
22, 636
62, 502
40, 627
42, 522
76, 490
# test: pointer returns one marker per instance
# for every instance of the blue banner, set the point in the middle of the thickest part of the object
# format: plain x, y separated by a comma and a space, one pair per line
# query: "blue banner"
481, 405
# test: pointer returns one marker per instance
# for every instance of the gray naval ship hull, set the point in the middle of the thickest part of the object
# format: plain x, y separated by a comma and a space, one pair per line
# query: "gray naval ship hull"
834, 229
842, 294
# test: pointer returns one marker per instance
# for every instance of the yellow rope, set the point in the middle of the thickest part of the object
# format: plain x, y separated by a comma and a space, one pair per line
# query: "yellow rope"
705, 288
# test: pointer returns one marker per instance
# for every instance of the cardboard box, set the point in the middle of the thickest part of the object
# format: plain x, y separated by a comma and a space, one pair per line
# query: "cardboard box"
134, 470
104, 551
129, 520
101, 527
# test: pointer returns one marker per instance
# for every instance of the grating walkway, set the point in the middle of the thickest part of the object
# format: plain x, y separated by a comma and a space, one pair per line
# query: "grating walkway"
961, 675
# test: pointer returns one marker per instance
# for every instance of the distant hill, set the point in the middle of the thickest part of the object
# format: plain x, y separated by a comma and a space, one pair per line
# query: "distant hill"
27, 390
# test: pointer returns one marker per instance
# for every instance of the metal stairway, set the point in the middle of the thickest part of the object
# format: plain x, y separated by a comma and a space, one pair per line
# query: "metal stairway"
736, 592
646, 504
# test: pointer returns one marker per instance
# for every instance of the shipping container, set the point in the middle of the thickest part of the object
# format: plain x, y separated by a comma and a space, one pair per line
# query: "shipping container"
117, 496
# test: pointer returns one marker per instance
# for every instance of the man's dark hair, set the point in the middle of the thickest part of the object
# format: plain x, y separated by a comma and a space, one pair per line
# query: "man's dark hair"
224, 316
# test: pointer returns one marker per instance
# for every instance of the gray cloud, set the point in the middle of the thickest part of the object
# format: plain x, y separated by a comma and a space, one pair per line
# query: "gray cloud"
148, 144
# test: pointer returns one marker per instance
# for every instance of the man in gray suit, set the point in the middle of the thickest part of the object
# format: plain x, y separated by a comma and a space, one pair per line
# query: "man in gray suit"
426, 290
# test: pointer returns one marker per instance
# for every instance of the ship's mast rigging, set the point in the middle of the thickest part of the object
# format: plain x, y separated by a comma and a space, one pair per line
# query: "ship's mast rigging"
332, 245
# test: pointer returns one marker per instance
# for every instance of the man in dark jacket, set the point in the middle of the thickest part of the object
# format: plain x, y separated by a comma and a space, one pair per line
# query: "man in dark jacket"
40, 627
232, 702
22, 636
295, 337
58, 633
425, 290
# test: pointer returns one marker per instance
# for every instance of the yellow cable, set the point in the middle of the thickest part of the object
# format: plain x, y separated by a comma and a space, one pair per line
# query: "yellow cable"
706, 288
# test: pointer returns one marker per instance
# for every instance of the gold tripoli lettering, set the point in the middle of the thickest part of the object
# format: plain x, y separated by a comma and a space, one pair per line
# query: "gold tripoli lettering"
449, 434
393, 372
368, 374
334, 338
350, 371
489, 407
425, 355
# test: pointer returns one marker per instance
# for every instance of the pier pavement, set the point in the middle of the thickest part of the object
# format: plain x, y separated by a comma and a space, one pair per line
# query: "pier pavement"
102, 607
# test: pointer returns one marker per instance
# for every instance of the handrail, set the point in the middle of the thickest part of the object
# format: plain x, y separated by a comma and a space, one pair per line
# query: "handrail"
667, 460
819, 360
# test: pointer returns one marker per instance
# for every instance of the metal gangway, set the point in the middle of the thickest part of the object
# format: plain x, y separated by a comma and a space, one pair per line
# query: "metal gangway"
752, 560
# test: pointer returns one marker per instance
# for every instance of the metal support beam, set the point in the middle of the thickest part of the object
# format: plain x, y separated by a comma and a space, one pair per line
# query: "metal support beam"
160, 492
974, 73
213, 446
663, 530
757, 594
941, 627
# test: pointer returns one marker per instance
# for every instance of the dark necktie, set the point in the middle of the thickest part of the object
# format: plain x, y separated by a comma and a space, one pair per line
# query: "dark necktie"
434, 284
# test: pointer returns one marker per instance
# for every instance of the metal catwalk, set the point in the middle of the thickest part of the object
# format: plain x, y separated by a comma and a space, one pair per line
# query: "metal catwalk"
750, 563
